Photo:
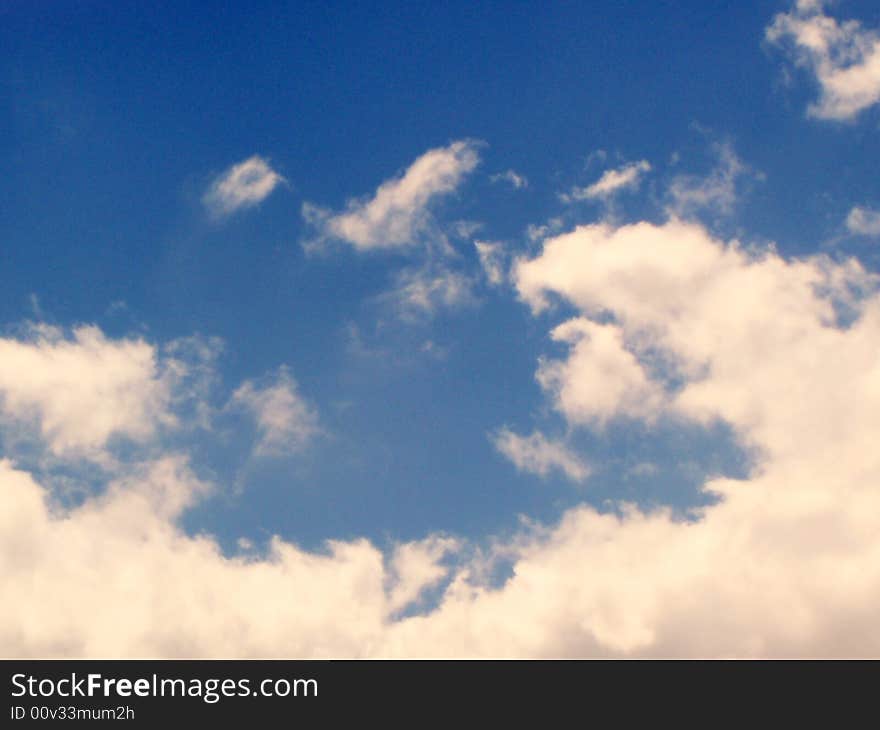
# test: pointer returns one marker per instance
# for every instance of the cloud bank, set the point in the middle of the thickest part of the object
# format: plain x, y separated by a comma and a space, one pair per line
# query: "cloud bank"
786, 562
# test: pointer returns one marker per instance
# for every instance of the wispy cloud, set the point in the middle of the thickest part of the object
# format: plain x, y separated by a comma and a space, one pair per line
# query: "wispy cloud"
398, 212
843, 56
492, 259
511, 177
536, 454
423, 291
242, 186
537, 232
863, 221
715, 192
286, 423
610, 183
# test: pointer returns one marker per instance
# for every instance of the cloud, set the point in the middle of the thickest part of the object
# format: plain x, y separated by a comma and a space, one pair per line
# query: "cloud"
705, 307
784, 562
423, 291
133, 584
492, 259
242, 186
415, 567
286, 423
81, 390
398, 213
513, 178
536, 454
714, 193
843, 56
863, 221
538, 232
601, 378
612, 182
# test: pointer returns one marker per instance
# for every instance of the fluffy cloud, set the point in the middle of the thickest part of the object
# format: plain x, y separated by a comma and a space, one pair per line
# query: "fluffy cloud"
785, 562
843, 56
415, 567
286, 423
81, 390
241, 186
612, 182
539, 455
863, 221
132, 584
398, 213
693, 310
601, 378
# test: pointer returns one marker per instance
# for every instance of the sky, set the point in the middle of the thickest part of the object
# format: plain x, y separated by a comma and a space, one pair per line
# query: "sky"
419, 329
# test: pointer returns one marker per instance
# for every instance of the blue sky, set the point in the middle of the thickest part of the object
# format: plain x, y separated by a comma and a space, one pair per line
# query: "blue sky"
282, 202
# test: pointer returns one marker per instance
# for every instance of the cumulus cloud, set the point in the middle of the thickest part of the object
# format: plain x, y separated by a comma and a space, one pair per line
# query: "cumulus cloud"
415, 567
285, 421
536, 454
785, 562
511, 177
133, 584
863, 221
398, 212
843, 56
242, 186
80, 390
610, 183
601, 378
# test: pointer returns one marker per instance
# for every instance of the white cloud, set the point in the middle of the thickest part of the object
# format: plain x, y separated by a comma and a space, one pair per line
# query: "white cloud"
398, 213
131, 583
600, 378
708, 308
512, 177
541, 231
82, 390
714, 193
423, 291
610, 183
863, 221
242, 186
415, 567
285, 421
539, 455
464, 229
844, 57
785, 563
492, 259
